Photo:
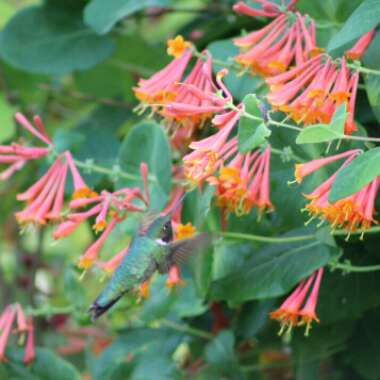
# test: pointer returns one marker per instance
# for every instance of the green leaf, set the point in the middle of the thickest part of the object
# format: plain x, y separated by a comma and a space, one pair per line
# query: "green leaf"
349, 296
46, 366
325, 132
365, 347
51, 41
357, 174
253, 317
324, 341
250, 134
239, 85
6, 120
271, 272
220, 352
372, 85
362, 20
197, 205
132, 345
103, 15
147, 142
316, 134
371, 60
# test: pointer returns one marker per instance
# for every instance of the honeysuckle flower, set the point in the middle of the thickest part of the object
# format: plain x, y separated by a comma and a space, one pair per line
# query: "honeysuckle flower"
30, 352
350, 213
177, 46
110, 265
162, 86
198, 99
244, 183
17, 155
210, 153
13, 321
108, 209
103, 206
311, 92
45, 197
274, 48
92, 252
361, 45
6, 322
299, 308
180, 231
268, 8
174, 277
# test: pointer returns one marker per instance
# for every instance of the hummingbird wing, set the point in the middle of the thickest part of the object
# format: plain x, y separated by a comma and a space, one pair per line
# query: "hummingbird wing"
181, 250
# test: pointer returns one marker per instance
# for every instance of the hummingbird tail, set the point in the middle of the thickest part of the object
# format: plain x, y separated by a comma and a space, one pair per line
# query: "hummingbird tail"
96, 310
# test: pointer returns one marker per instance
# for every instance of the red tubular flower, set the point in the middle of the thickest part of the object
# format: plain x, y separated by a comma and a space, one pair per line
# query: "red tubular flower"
110, 265
350, 213
30, 352
6, 323
361, 45
294, 311
198, 99
311, 92
174, 277
17, 155
269, 9
244, 183
274, 48
92, 252
162, 86
210, 153
14, 314
45, 198
108, 209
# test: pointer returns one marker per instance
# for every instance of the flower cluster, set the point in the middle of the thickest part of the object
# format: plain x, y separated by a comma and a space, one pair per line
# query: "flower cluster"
285, 42
350, 213
185, 102
108, 209
45, 198
311, 92
304, 82
244, 183
299, 308
18, 154
14, 321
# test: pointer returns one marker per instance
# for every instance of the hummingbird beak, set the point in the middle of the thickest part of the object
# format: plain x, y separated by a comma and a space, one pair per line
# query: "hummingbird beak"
172, 208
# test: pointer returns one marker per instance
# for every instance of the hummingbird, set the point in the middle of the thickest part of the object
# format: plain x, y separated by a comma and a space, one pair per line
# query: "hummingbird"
151, 249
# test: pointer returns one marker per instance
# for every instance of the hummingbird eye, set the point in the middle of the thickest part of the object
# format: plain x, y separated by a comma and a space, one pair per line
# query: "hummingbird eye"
167, 232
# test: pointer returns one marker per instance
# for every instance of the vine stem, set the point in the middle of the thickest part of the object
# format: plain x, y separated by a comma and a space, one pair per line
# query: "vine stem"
354, 268
113, 172
270, 239
265, 239
295, 128
103, 170
364, 70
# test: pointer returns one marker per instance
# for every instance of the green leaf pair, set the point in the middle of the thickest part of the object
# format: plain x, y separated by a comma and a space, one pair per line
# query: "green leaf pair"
319, 133
251, 135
